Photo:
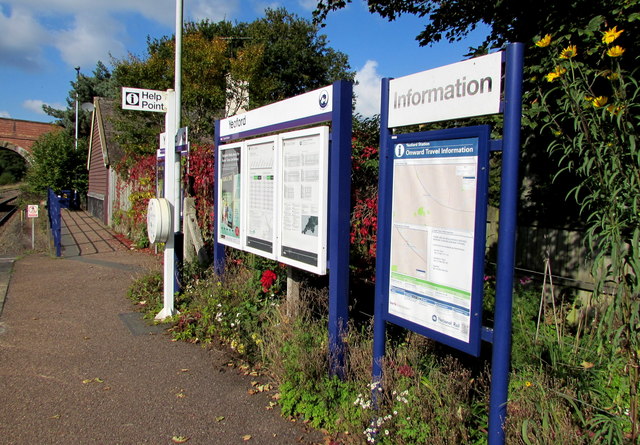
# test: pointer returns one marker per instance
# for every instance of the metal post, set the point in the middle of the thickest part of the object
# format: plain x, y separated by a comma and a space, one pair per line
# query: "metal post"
339, 208
384, 220
501, 356
169, 287
178, 112
77, 68
218, 249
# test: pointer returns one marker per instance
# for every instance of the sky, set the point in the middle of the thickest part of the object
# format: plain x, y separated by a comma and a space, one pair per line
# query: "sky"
42, 41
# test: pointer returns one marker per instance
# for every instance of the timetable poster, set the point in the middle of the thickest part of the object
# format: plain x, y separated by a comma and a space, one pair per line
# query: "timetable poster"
229, 212
260, 210
303, 199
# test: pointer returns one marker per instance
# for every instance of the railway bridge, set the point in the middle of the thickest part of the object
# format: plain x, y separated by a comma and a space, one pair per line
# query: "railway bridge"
20, 135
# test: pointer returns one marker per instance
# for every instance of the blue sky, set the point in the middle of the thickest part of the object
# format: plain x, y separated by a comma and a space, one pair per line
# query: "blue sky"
43, 40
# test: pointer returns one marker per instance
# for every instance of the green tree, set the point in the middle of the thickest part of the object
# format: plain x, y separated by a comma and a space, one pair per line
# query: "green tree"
87, 87
57, 164
270, 59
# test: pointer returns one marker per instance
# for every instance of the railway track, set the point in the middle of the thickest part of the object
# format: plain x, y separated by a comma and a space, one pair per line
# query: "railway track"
8, 204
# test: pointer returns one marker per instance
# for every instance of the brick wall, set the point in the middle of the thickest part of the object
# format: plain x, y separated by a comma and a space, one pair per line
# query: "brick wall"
23, 133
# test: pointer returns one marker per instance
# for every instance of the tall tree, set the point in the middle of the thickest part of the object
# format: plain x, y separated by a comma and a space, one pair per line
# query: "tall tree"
86, 88
55, 163
270, 59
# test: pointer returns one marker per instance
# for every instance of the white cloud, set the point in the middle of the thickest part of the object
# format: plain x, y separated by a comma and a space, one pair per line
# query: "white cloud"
215, 10
21, 39
93, 37
87, 31
35, 105
4, 114
308, 5
367, 89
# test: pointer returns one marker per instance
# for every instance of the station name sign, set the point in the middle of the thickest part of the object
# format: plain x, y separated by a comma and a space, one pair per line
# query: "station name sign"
463, 89
144, 100
307, 108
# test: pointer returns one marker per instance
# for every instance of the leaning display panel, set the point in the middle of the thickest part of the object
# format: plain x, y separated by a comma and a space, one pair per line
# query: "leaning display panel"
229, 214
303, 196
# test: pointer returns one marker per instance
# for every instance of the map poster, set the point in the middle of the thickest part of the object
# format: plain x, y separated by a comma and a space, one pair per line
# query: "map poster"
260, 187
432, 234
303, 199
229, 202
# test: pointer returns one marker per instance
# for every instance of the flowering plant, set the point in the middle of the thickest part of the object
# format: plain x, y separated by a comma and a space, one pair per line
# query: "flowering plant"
588, 104
267, 280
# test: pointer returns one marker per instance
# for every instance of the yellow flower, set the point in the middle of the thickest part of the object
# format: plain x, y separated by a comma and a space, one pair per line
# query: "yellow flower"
555, 74
615, 109
615, 51
527, 383
611, 34
543, 42
600, 101
611, 75
569, 52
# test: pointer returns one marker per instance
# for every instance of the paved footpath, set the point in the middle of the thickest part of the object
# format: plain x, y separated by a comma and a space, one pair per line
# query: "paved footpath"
78, 366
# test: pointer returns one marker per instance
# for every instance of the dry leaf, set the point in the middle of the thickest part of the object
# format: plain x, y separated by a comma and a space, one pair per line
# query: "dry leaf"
276, 396
219, 418
184, 370
179, 439
93, 380
180, 395
251, 392
246, 437
587, 365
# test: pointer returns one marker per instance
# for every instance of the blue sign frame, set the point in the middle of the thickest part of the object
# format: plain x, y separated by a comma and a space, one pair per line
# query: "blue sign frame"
339, 192
500, 335
476, 139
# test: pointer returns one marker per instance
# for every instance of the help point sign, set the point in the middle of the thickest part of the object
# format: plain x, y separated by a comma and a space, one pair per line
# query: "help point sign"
144, 100
463, 89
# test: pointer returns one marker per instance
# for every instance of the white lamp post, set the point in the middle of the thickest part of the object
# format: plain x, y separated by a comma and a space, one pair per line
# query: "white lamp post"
77, 100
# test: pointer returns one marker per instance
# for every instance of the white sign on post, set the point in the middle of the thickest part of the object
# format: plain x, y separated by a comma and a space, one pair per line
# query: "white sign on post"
32, 211
463, 89
144, 100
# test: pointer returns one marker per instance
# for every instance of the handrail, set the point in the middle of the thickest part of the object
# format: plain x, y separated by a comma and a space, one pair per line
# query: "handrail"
53, 205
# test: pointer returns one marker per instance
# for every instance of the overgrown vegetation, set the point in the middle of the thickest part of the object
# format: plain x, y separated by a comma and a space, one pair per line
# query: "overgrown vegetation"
561, 390
57, 164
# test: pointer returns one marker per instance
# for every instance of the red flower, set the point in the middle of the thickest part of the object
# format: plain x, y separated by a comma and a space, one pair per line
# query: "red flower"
268, 277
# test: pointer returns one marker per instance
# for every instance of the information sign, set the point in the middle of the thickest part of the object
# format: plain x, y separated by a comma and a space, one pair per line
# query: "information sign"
303, 191
463, 89
434, 194
260, 207
144, 100
437, 231
229, 195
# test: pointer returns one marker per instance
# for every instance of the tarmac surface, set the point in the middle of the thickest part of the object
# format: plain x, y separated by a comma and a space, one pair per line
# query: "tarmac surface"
79, 366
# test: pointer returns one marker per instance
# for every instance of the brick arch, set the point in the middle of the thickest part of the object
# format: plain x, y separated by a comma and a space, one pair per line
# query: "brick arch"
15, 148
20, 135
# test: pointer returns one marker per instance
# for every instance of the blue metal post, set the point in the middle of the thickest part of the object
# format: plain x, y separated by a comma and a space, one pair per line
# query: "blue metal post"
339, 222
383, 246
218, 249
501, 357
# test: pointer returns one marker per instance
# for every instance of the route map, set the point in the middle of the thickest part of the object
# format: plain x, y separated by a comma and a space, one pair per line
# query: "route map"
433, 220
